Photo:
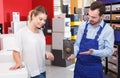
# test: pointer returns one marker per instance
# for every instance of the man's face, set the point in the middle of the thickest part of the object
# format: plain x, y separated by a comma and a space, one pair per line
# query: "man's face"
94, 17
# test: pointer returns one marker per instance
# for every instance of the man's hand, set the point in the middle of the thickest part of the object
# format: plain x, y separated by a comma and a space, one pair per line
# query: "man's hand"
90, 51
71, 57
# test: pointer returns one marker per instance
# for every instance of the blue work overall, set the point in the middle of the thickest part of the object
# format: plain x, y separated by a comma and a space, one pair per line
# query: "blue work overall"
88, 66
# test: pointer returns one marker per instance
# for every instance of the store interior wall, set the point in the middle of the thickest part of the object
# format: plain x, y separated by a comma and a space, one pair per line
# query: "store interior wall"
9, 6
1, 11
22, 6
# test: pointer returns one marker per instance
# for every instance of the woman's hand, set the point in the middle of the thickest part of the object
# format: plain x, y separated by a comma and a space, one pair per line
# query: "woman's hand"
17, 66
49, 56
17, 58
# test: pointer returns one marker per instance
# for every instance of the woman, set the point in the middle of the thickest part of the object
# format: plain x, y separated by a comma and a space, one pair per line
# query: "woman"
30, 45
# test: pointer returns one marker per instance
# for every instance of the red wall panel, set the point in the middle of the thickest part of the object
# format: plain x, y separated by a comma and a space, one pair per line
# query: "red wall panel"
48, 39
1, 11
48, 4
22, 6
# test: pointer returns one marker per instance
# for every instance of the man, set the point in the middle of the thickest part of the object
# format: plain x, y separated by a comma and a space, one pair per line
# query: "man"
95, 39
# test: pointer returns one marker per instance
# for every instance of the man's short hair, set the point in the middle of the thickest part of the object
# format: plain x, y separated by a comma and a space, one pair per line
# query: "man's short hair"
98, 5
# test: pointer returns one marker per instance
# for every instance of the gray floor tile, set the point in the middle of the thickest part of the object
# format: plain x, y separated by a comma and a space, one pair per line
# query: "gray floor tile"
58, 72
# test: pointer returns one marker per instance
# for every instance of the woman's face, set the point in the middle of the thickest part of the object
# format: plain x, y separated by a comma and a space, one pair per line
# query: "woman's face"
39, 20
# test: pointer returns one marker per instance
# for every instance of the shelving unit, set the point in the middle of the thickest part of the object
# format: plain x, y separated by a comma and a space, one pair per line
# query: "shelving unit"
112, 16
118, 61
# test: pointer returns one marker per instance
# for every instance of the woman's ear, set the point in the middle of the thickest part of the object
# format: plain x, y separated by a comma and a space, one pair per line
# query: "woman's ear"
33, 16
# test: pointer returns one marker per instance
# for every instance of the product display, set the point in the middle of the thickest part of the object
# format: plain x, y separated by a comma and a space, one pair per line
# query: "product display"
116, 7
6, 56
6, 73
68, 48
7, 42
16, 16
107, 17
6, 61
107, 7
18, 25
115, 16
112, 16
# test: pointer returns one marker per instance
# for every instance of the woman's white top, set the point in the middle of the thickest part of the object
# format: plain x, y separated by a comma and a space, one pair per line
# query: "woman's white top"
32, 49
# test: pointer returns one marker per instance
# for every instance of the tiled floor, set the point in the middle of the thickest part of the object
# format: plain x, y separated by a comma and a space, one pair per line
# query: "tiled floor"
59, 72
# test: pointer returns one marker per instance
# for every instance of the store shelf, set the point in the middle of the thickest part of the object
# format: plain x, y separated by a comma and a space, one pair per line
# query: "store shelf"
113, 63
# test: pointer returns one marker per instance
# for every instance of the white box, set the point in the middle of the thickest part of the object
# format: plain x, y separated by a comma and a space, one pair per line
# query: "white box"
106, 17
7, 41
6, 56
61, 24
16, 16
108, 8
6, 73
116, 7
18, 25
57, 40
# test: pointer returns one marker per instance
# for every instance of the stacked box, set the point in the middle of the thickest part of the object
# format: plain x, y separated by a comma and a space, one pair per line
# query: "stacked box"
61, 30
57, 40
61, 25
